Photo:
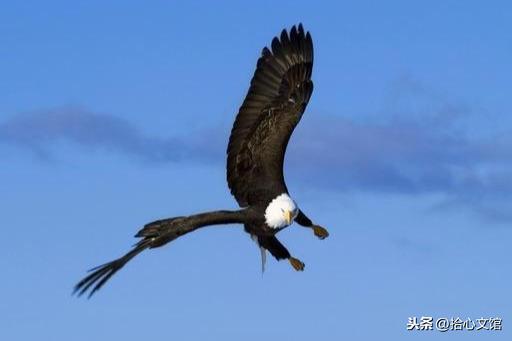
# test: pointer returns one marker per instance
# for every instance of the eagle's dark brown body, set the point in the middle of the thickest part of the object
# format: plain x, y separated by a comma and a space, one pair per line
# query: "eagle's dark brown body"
279, 92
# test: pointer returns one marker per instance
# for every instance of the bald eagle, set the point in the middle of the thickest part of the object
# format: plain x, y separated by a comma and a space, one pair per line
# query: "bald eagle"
278, 94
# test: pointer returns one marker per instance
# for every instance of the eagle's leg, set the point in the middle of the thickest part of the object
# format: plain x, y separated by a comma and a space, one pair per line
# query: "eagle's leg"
318, 230
279, 252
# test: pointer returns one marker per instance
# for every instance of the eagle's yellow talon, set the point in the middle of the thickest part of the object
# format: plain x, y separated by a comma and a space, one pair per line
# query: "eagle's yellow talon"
297, 264
320, 232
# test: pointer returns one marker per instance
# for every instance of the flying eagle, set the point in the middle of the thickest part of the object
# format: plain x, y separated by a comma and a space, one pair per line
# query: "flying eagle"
279, 92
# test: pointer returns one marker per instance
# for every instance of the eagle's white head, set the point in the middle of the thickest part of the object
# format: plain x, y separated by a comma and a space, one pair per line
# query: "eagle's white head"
281, 211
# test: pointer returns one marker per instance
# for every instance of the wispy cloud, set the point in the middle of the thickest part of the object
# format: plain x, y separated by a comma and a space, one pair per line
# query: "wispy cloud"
416, 145
420, 144
396, 156
408, 158
39, 131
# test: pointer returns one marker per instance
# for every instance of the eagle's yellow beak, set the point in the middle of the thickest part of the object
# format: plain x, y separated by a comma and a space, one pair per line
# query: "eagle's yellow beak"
288, 217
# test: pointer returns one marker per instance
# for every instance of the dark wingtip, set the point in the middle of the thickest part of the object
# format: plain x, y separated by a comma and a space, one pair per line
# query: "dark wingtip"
293, 30
284, 35
102, 273
99, 276
276, 45
82, 286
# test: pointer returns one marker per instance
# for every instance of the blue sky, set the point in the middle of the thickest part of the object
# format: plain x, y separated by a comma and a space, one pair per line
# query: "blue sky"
116, 114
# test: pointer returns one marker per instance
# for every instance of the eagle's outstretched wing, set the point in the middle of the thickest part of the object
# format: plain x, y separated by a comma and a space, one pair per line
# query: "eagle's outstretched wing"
279, 92
156, 234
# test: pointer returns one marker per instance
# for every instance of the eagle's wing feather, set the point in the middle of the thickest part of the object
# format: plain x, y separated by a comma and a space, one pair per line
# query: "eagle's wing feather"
279, 92
156, 234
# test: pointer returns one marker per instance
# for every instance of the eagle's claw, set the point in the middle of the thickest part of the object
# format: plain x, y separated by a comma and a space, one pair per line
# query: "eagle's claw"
320, 232
297, 264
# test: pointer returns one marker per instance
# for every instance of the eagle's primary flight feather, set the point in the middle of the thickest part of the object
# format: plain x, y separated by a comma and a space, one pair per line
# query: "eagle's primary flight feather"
278, 95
